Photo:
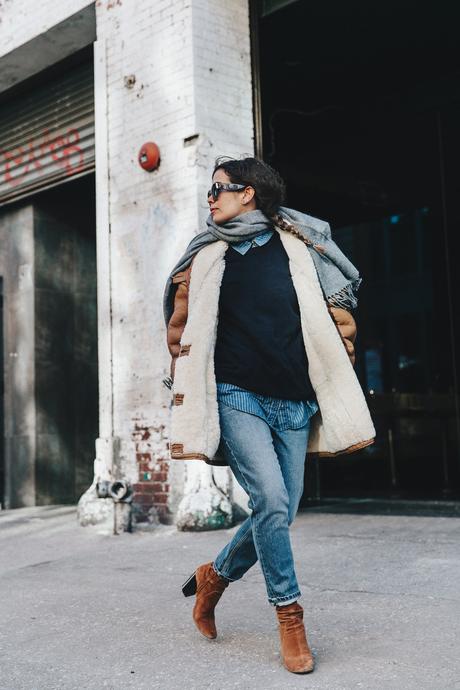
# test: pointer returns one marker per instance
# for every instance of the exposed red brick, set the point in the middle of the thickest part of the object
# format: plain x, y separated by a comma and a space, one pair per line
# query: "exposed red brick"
143, 457
159, 476
145, 487
152, 488
145, 499
140, 433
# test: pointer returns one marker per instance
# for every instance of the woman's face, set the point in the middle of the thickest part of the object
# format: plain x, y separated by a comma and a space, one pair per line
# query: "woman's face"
230, 204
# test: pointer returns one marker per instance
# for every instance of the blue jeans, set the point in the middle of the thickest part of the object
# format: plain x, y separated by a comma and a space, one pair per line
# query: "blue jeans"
269, 465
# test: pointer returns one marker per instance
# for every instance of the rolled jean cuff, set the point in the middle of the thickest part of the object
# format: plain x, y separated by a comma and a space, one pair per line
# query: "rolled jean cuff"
221, 574
282, 601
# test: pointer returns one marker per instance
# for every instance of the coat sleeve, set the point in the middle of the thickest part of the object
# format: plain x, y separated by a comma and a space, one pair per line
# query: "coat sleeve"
178, 318
346, 326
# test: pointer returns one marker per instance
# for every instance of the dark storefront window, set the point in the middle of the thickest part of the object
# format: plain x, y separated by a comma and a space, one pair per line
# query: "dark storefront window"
364, 126
404, 360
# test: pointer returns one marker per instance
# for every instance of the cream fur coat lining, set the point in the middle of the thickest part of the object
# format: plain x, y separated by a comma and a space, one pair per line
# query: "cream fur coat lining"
343, 422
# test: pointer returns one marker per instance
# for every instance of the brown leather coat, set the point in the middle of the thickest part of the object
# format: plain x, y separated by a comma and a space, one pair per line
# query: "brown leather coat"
343, 319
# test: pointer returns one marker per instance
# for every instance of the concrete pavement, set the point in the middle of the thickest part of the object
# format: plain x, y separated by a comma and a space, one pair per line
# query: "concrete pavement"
85, 610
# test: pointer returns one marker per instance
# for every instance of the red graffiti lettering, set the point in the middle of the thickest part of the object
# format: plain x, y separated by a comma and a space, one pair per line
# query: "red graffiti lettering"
72, 155
62, 149
16, 160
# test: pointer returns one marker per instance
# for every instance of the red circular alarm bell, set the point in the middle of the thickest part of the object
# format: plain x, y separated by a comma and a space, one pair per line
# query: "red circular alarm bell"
149, 156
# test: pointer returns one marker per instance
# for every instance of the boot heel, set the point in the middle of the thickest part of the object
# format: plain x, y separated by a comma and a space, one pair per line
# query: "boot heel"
189, 586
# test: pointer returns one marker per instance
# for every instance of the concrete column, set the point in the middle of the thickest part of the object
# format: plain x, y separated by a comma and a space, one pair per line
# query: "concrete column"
91, 509
177, 73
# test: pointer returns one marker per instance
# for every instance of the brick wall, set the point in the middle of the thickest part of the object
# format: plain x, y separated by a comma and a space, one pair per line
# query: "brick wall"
150, 213
152, 485
191, 65
176, 72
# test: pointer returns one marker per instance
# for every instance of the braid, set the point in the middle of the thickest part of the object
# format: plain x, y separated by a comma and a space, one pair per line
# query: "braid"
284, 224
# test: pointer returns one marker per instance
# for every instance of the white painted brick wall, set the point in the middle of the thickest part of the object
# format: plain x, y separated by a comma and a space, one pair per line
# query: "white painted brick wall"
192, 66
191, 61
222, 82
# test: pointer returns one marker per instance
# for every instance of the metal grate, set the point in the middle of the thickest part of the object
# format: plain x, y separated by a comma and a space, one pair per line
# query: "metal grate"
47, 135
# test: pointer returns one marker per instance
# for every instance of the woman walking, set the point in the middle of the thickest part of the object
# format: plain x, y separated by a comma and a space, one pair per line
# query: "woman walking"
261, 337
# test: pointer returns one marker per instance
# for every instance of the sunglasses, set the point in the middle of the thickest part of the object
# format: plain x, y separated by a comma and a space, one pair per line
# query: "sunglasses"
219, 187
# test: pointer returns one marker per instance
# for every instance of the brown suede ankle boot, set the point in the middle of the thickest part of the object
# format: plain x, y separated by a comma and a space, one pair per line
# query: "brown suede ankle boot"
209, 589
295, 652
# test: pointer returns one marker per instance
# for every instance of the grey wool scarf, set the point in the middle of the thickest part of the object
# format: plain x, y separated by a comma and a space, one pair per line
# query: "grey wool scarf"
338, 278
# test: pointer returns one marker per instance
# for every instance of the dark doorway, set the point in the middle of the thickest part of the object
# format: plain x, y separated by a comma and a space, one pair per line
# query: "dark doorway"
66, 380
49, 300
360, 113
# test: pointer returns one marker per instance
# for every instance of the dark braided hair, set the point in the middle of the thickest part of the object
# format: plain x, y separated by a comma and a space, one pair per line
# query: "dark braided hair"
269, 187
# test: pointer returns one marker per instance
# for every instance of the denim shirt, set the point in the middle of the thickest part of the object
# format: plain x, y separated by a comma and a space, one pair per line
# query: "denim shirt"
243, 247
279, 414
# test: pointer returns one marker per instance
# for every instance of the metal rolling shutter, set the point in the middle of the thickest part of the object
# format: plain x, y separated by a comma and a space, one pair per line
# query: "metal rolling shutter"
47, 135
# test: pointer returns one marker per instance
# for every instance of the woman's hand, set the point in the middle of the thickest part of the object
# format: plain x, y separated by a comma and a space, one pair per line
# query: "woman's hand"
346, 326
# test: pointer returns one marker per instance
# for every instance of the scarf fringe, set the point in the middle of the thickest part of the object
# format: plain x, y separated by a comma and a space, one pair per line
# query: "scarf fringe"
346, 297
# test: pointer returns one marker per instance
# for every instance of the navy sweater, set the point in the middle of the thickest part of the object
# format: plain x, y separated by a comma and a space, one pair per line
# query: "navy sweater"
259, 342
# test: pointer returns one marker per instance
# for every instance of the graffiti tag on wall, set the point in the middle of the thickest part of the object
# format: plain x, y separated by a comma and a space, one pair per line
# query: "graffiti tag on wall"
61, 150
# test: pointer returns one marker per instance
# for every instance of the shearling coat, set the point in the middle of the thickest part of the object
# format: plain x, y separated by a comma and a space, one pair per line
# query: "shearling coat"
342, 423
